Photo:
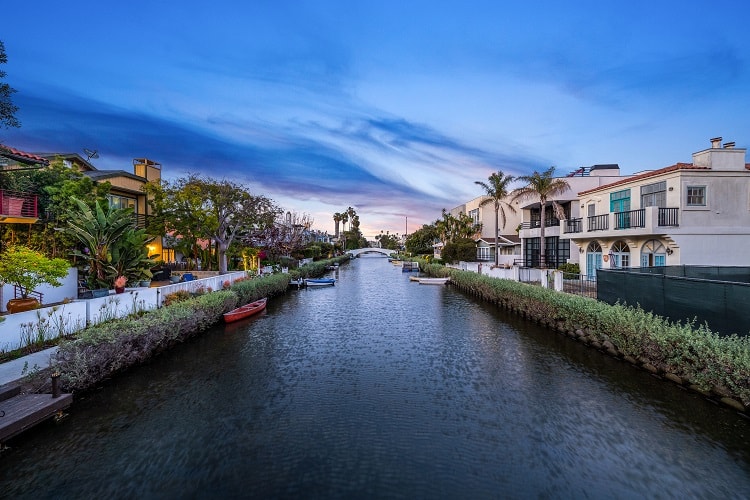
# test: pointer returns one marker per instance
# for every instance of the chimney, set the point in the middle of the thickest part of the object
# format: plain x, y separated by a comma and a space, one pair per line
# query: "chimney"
728, 145
716, 143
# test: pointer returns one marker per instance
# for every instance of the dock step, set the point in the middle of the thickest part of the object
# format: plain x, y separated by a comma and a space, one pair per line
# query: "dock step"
7, 391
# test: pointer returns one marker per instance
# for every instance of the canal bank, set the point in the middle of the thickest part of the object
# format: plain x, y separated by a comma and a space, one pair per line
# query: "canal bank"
381, 388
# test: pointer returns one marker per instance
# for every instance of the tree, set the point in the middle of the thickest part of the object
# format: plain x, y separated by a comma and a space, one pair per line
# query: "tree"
7, 109
461, 249
497, 192
28, 269
215, 210
100, 231
56, 186
421, 240
542, 186
337, 219
388, 240
450, 228
288, 234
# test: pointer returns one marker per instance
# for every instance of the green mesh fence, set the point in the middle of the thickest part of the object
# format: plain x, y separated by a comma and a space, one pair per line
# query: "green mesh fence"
718, 296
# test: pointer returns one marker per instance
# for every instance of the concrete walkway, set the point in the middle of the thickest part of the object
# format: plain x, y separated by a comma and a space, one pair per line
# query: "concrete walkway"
13, 371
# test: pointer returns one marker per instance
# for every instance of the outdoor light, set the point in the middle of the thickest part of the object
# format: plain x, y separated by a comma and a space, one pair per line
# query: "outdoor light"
669, 251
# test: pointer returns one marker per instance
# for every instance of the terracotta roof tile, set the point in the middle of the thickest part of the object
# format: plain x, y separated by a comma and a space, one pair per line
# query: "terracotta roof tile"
646, 175
23, 154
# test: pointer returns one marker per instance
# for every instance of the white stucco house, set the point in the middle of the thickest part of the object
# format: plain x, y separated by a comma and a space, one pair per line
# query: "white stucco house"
688, 213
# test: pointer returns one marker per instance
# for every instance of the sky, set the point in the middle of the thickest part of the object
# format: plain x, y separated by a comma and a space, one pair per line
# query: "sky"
394, 108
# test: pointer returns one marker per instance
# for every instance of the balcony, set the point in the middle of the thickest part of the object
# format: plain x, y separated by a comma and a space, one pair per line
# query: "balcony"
537, 223
18, 207
649, 220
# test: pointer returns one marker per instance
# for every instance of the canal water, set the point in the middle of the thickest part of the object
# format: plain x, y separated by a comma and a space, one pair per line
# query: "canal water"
380, 387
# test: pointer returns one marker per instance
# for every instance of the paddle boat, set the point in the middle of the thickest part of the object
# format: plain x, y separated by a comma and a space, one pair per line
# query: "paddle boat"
319, 281
245, 311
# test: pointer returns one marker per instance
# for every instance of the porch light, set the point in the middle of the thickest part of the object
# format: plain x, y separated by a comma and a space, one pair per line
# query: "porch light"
669, 251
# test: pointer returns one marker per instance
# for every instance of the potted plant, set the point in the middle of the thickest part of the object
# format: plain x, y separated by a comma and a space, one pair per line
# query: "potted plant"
120, 283
27, 269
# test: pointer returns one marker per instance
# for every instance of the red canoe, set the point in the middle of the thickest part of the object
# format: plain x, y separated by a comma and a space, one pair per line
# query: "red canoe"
245, 311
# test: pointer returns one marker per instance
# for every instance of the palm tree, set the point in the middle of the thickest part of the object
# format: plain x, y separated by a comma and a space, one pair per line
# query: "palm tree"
344, 220
337, 220
497, 192
542, 186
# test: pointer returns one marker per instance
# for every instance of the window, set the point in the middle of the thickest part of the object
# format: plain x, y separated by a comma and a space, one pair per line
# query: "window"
653, 254
696, 196
591, 209
121, 202
654, 195
619, 201
556, 251
474, 214
483, 253
531, 252
620, 254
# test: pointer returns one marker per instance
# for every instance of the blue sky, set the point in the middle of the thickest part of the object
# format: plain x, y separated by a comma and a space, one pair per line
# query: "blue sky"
394, 108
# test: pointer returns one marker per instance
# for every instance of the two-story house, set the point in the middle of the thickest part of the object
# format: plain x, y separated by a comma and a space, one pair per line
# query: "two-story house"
126, 189
688, 213
507, 242
558, 249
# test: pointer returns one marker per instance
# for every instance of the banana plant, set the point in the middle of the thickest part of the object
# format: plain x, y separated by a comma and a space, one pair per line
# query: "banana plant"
98, 230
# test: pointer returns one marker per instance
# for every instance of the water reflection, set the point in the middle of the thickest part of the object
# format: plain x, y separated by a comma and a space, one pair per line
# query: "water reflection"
380, 387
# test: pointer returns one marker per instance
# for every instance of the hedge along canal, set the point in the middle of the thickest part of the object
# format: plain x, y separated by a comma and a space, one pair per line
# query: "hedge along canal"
717, 367
378, 387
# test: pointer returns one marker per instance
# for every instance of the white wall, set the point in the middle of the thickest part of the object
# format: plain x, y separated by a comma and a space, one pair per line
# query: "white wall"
68, 290
65, 319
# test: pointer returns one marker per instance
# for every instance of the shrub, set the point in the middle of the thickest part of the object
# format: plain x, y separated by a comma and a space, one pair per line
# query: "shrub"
102, 350
464, 249
178, 296
689, 351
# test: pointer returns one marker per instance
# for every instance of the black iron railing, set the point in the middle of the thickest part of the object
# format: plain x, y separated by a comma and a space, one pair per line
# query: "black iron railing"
630, 219
669, 217
598, 222
573, 226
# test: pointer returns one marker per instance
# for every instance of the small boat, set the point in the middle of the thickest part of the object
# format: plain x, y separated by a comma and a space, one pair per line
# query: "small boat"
414, 278
433, 281
320, 281
245, 311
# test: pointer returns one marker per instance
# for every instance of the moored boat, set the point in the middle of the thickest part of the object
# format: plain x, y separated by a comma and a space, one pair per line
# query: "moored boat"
245, 311
319, 281
433, 281
408, 267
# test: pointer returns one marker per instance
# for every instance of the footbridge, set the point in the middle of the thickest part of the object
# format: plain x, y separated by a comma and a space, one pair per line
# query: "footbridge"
357, 251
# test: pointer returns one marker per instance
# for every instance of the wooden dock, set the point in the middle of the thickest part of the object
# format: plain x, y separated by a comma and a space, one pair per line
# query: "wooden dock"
19, 412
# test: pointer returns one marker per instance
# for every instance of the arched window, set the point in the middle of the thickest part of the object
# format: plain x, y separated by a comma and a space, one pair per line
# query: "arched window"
653, 254
620, 254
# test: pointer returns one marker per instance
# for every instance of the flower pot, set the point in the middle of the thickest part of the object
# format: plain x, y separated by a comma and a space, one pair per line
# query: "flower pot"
21, 305
146, 283
119, 289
